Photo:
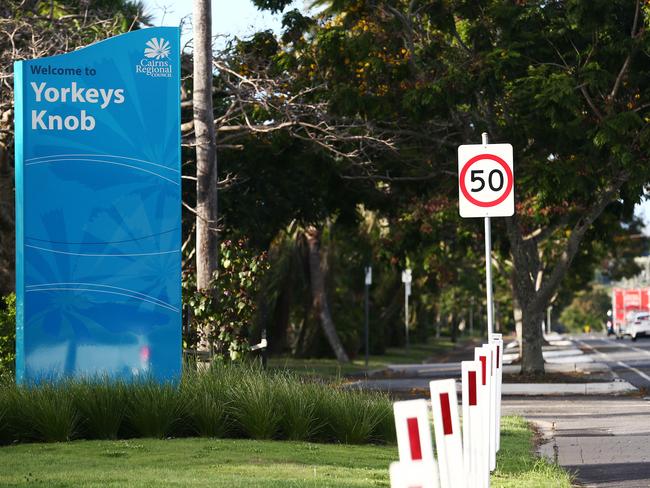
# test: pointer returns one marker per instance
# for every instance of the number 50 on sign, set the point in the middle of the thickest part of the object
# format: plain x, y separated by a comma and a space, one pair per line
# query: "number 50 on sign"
486, 180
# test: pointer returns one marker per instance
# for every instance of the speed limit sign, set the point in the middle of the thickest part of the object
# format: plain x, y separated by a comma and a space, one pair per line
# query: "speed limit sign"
486, 180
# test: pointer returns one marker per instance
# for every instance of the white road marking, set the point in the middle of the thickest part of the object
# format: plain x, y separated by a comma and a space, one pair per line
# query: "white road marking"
606, 357
639, 372
600, 355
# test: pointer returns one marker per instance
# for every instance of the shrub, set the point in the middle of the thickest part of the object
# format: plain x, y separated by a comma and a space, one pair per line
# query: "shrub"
588, 308
8, 334
6, 408
101, 404
228, 317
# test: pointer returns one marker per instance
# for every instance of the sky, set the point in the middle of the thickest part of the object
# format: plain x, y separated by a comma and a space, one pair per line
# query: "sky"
229, 17
240, 18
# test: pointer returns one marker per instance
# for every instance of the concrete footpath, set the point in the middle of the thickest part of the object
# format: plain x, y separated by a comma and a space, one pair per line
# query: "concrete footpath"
605, 441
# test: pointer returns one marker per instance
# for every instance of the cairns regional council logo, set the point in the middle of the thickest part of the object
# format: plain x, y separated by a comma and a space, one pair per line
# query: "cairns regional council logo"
155, 62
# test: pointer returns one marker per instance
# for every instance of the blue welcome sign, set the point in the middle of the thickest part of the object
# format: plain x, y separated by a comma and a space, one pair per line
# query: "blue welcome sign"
98, 210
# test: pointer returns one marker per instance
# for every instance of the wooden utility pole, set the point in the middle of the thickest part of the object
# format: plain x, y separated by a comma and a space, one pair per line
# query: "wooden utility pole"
206, 153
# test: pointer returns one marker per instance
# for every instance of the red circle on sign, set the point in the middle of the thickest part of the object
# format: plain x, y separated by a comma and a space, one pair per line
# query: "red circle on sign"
509, 177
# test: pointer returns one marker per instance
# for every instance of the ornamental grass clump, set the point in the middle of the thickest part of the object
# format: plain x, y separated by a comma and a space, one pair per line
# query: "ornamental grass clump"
153, 409
384, 431
101, 404
227, 400
297, 401
45, 412
254, 403
205, 404
351, 417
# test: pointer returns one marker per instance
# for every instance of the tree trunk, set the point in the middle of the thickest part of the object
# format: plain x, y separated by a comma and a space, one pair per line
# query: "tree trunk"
532, 360
535, 282
319, 294
526, 266
206, 157
517, 316
497, 318
453, 327
277, 330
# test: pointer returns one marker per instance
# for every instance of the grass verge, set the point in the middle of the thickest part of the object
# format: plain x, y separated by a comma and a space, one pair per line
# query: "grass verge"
330, 368
518, 467
244, 463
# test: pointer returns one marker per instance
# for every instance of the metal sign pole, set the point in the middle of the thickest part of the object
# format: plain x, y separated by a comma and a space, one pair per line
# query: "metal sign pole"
367, 331
367, 282
406, 314
406, 279
488, 263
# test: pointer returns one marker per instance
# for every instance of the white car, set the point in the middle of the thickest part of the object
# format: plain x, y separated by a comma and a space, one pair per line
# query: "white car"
638, 324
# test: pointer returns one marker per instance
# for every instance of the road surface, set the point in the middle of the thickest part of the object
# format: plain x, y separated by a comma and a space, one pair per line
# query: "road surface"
629, 360
605, 441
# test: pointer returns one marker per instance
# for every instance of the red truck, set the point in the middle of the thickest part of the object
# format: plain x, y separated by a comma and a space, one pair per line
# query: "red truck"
628, 303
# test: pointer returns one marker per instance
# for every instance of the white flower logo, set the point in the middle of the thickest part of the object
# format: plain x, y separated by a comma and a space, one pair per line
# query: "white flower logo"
157, 48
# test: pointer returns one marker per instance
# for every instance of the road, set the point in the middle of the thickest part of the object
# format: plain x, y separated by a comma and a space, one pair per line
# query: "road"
629, 360
605, 441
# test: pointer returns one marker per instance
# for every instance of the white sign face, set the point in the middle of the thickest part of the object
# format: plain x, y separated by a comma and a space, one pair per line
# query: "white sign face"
368, 275
486, 183
406, 276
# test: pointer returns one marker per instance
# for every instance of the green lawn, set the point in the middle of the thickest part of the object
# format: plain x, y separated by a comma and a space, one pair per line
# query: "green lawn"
517, 467
417, 353
243, 463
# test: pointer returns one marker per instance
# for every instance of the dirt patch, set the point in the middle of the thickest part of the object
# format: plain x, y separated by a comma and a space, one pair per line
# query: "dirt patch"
553, 377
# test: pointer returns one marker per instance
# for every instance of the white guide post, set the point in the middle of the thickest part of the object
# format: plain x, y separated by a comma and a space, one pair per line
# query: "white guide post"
483, 357
413, 431
497, 340
492, 374
446, 426
417, 465
472, 434
416, 474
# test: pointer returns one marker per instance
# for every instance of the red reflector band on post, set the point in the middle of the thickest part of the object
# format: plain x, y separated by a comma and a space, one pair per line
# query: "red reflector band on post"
483, 360
498, 353
472, 387
446, 414
414, 438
